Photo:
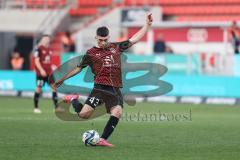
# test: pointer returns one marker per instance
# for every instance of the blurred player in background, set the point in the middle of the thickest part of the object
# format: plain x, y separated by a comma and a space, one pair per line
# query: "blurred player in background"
235, 37
42, 62
105, 62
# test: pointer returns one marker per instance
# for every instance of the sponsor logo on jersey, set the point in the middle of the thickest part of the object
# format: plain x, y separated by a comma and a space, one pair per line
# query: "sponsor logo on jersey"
113, 50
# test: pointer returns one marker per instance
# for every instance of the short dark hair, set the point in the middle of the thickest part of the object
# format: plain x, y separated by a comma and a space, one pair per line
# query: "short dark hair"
41, 36
46, 35
102, 31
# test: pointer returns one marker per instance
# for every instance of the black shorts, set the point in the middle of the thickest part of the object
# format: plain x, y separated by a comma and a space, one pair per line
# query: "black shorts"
109, 95
40, 81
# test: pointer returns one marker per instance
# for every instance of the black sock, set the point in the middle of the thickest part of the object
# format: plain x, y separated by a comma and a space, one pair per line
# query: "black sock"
77, 105
109, 128
55, 99
35, 99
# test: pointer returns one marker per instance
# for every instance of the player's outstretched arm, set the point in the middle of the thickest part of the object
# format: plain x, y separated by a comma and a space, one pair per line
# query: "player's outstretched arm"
137, 36
67, 76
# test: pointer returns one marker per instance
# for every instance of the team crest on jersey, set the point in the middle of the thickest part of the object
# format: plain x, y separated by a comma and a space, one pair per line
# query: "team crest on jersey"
113, 50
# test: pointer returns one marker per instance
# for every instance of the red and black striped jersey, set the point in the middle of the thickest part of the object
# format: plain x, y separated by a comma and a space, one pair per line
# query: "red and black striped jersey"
106, 63
44, 54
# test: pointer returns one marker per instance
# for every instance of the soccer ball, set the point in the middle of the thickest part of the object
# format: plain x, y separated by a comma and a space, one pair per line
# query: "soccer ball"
90, 137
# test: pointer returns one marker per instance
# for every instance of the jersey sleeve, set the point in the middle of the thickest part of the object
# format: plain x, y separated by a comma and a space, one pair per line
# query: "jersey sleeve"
85, 61
36, 53
124, 45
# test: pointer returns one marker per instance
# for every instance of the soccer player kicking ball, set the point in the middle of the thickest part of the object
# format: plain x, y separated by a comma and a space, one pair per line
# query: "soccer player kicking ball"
42, 62
105, 62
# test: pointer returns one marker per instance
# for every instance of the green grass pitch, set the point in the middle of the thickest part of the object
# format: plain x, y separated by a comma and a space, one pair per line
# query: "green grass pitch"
191, 132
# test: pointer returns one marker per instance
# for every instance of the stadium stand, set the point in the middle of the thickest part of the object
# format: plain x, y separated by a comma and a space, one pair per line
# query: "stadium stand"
208, 18
80, 8
179, 2
88, 8
191, 10
86, 11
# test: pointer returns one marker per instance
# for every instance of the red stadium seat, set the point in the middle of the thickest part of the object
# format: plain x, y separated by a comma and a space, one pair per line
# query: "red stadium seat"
89, 7
86, 11
208, 18
179, 2
92, 3
200, 10
195, 10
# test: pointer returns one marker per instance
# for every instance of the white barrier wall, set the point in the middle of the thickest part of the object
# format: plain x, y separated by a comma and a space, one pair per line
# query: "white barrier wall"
24, 21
